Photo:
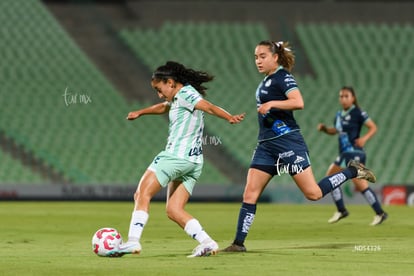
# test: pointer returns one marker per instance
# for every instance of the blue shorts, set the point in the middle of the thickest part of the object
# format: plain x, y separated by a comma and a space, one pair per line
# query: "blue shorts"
285, 154
343, 159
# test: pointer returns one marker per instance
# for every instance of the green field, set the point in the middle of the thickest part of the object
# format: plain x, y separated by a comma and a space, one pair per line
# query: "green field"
54, 238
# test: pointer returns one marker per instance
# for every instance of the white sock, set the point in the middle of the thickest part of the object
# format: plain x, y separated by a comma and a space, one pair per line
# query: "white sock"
136, 226
195, 231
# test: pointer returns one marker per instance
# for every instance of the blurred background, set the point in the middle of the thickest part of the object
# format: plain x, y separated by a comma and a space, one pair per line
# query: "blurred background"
71, 71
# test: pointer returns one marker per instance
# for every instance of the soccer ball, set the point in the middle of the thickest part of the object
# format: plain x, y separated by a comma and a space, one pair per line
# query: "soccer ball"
105, 240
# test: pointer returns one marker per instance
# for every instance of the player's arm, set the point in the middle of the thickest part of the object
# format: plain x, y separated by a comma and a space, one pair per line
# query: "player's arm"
215, 110
159, 108
327, 130
294, 101
372, 129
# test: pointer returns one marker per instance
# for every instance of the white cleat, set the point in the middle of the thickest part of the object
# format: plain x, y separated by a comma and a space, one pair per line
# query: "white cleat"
338, 216
378, 219
205, 249
126, 248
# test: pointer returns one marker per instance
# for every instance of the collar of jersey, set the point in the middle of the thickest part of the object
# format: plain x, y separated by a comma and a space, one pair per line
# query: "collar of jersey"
277, 69
175, 97
346, 112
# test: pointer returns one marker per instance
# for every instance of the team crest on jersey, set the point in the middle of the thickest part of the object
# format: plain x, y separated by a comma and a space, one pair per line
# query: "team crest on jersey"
268, 83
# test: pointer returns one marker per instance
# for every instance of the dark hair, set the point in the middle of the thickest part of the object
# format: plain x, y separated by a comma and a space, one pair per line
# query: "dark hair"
286, 55
179, 73
352, 91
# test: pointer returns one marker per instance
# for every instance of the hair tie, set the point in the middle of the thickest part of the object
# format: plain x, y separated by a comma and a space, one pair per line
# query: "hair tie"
279, 44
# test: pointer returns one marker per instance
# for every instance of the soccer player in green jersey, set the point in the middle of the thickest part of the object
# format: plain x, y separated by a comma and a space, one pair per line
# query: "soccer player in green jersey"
180, 164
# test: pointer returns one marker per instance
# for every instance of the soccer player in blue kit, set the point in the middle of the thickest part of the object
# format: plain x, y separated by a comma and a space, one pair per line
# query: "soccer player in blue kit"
348, 124
281, 147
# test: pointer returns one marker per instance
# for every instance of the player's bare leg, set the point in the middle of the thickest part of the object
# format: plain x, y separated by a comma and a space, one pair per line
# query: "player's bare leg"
147, 188
177, 198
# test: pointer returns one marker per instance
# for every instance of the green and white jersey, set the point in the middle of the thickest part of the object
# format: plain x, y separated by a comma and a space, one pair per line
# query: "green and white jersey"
185, 134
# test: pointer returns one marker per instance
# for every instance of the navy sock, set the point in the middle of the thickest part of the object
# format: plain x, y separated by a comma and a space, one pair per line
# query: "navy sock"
329, 183
246, 217
372, 200
339, 200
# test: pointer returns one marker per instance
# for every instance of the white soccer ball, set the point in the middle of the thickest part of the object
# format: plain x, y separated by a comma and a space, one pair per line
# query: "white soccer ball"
105, 240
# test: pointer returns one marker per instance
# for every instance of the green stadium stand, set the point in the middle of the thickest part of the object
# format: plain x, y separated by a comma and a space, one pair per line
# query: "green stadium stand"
14, 172
91, 142
59, 107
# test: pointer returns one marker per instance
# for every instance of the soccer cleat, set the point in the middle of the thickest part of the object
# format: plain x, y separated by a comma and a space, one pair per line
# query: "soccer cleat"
234, 248
362, 171
126, 248
378, 219
205, 249
338, 216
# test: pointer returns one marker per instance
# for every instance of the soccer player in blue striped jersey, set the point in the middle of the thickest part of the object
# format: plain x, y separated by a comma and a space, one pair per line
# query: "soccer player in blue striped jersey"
281, 147
180, 164
347, 125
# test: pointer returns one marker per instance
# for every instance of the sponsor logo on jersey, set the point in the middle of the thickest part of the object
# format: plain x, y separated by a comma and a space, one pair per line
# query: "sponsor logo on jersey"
195, 151
289, 80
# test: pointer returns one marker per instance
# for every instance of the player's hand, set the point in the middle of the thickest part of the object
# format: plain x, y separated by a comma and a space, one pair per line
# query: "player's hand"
235, 119
265, 108
321, 127
133, 115
360, 142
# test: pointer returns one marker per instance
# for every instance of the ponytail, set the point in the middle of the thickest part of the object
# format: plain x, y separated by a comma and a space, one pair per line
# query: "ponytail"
179, 73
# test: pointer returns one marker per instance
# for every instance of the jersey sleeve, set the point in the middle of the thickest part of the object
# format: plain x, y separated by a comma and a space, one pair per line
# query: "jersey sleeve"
287, 83
188, 97
364, 116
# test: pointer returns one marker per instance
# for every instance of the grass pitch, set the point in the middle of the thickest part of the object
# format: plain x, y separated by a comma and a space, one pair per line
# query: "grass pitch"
54, 238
